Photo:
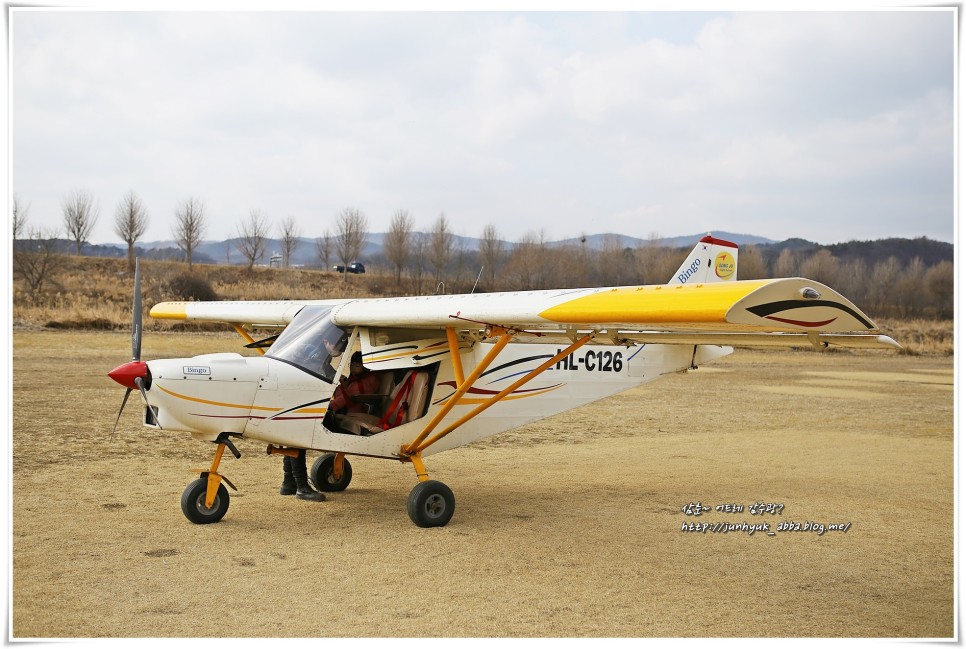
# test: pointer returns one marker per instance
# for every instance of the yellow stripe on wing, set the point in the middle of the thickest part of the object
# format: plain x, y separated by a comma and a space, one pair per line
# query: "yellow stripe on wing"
700, 303
170, 311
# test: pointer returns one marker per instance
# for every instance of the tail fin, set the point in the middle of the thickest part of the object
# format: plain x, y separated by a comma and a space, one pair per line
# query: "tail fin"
712, 260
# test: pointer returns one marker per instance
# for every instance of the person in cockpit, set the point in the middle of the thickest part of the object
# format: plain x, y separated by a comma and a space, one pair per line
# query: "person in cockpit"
343, 404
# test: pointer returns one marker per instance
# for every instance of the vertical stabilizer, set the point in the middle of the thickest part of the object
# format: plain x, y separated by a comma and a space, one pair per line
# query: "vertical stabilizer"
712, 260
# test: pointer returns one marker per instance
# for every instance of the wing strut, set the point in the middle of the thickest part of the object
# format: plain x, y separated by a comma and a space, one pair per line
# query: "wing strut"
454, 352
419, 445
244, 334
505, 337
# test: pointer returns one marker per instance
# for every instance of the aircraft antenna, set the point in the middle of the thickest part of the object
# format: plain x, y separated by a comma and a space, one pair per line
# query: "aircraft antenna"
477, 280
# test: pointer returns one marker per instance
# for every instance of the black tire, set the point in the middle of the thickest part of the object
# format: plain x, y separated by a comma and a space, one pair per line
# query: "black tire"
193, 503
431, 504
321, 474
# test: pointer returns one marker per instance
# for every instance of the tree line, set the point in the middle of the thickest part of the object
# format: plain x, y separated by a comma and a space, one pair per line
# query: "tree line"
81, 212
435, 260
884, 288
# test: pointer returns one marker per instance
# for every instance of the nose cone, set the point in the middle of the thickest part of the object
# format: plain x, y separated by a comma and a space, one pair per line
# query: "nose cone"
125, 374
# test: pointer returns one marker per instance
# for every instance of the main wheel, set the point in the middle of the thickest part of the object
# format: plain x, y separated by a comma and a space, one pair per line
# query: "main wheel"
193, 503
431, 504
322, 473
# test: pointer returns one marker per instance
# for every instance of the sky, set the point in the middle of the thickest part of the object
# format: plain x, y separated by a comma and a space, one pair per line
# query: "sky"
829, 126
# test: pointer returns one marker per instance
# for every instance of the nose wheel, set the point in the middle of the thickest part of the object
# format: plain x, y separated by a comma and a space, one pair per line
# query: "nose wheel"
195, 507
206, 500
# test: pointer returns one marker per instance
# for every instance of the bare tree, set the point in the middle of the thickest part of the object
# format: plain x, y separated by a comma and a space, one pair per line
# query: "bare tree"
655, 261
788, 264
909, 294
351, 226
289, 234
323, 246
571, 268
522, 269
36, 258
253, 237
130, 223
822, 267
546, 266
610, 267
19, 214
940, 284
854, 281
80, 215
492, 253
440, 247
753, 265
398, 242
461, 258
417, 261
579, 263
189, 226
885, 276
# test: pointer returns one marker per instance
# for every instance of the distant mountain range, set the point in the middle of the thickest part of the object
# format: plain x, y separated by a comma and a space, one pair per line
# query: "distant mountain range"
374, 242
928, 250
305, 254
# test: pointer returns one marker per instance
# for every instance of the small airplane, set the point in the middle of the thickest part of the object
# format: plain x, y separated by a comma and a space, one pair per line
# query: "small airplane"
454, 369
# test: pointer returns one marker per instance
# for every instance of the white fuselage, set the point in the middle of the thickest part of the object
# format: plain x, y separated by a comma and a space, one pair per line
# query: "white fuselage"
272, 401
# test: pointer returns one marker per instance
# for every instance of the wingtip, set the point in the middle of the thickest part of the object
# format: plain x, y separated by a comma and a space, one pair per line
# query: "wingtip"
886, 341
169, 311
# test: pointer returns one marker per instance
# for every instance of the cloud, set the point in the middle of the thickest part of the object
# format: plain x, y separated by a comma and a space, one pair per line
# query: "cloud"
570, 122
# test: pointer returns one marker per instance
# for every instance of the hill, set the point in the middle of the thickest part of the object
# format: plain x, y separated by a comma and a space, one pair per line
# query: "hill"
929, 251
306, 253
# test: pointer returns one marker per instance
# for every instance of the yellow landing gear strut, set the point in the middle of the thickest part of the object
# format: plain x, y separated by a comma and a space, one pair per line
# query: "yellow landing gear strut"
206, 500
431, 503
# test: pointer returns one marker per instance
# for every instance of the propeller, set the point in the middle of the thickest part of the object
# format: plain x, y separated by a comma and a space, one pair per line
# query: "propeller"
132, 375
136, 315
127, 393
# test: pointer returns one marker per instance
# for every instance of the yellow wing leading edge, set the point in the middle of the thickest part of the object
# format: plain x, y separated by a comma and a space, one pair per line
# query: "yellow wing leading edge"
794, 304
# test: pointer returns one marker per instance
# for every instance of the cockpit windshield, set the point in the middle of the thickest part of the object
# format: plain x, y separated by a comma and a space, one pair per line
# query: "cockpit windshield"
311, 342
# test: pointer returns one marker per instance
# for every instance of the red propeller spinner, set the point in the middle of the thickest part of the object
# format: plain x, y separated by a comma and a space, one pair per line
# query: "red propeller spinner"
126, 374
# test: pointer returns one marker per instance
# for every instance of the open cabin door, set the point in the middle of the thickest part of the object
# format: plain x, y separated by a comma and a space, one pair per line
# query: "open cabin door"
407, 364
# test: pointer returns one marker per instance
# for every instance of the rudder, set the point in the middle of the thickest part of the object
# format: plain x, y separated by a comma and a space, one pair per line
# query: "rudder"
712, 260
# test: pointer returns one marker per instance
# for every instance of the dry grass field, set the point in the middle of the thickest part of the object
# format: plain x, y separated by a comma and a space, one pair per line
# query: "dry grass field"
571, 526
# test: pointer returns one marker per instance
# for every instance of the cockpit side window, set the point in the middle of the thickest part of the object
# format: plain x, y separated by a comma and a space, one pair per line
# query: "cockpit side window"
311, 342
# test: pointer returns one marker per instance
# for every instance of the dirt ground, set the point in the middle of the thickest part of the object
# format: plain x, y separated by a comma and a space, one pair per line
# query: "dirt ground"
573, 526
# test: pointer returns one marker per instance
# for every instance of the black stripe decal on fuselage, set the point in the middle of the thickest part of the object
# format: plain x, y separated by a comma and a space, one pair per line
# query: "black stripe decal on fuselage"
516, 362
303, 405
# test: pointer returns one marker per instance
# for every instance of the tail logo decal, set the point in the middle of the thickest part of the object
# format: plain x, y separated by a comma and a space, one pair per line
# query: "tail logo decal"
724, 265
